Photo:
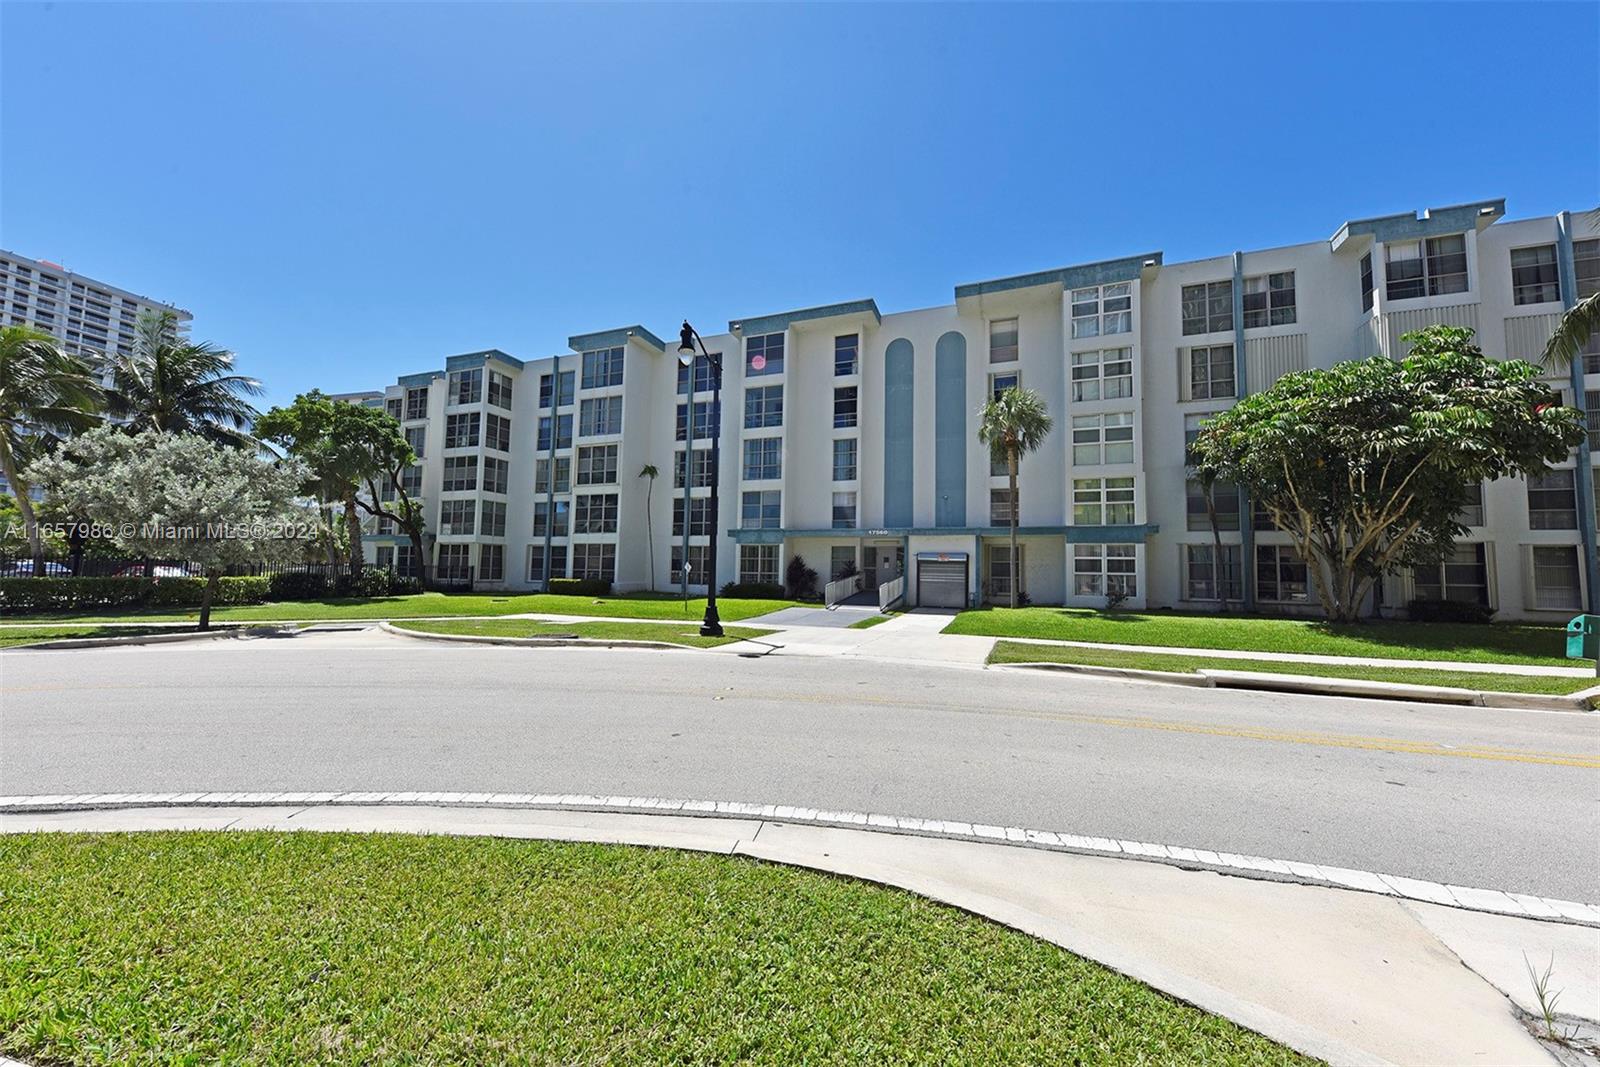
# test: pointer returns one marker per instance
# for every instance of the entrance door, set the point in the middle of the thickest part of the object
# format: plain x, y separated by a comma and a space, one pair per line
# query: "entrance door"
888, 562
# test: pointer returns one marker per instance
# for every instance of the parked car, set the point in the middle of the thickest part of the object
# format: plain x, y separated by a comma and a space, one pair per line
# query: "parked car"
23, 568
160, 570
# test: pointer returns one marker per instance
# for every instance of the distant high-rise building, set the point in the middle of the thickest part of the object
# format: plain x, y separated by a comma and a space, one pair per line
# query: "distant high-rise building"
91, 318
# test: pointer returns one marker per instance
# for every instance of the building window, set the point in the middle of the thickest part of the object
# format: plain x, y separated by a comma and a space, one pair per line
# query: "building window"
758, 564
763, 459
1106, 438
846, 354
491, 563
702, 376
1472, 513
761, 510
455, 563
466, 386
1003, 341
699, 517
1211, 372
1105, 375
595, 561
394, 407
499, 390
1208, 307
1200, 573
461, 431
844, 459
998, 571
844, 511
702, 469
844, 407
457, 516
602, 368
417, 438
595, 513
1269, 300
1556, 585
1281, 575
386, 557
1102, 501
841, 561
1425, 268
1001, 510
568, 379
600, 416
999, 383
416, 404
541, 475
1553, 501
494, 518
1534, 279
706, 416
497, 433
541, 519
697, 564
1104, 309
411, 481
1590, 354
563, 432
763, 355
1586, 267
460, 474
1224, 500
558, 562
597, 465
1462, 577
1101, 570
763, 407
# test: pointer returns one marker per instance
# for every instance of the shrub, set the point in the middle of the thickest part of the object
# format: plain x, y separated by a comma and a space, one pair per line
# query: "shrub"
374, 581
802, 579
189, 592
1448, 611
298, 585
21, 595
580, 587
753, 590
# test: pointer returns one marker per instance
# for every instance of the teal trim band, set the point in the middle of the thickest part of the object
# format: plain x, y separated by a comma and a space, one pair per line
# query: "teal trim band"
412, 381
899, 461
1567, 272
1432, 222
1247, 540
588, 342
1087, 535
764, 324
950, 430
1105, 272
469, 360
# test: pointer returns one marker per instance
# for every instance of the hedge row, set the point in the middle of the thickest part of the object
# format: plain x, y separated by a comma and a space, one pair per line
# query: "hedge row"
754, 590
21, 595
580, 587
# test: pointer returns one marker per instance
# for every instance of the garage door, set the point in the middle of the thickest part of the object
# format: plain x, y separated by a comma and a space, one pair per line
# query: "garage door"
942, 583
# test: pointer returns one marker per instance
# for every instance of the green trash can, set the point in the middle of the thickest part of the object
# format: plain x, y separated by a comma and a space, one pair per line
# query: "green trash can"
1583, 639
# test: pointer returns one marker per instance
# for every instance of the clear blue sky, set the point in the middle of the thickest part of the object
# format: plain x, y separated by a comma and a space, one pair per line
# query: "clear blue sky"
345, 193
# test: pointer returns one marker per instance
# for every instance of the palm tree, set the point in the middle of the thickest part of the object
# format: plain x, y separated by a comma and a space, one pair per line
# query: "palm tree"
1574, 331
1014, 424
43, 393
178, 386
649, 527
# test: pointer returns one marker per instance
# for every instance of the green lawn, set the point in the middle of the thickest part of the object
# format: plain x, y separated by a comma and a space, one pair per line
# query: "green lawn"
315, 948
12, 636
688, 634
868, 623
635, 606
1464, 642
1016, 652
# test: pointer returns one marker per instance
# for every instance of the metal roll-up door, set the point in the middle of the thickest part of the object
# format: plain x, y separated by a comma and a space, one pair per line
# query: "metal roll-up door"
942, 583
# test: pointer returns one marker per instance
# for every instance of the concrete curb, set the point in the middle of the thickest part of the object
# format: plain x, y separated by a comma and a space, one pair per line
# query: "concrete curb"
151, 639
1496, 901
1315, 685
538, 642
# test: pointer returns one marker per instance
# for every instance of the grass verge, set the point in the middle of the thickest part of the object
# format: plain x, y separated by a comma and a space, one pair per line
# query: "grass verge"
688, 634
1460, 642
1017, 652
419, 605
322, 948
868, 623
15, 636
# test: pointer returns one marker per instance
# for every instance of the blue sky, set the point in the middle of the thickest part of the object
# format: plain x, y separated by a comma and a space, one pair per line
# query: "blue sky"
345, 193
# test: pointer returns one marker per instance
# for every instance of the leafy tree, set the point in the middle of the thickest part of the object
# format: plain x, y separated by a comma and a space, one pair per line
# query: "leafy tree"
1573, 332
168, 494
1014, 424
652, 473
1367, 465
175, 385
44, 394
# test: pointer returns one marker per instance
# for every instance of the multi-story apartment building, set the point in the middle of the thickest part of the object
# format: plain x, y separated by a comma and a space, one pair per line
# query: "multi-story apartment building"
849, 435
91, 318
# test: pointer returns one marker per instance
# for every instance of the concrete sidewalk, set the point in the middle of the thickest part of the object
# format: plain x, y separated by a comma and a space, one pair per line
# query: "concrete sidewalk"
1349, 977
912, 637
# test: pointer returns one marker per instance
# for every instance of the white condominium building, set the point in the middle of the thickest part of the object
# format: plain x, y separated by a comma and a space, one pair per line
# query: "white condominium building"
849, 434
91, 318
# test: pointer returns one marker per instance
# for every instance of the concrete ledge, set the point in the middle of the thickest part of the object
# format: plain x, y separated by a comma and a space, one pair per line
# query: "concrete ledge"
538, 642
227, 631
1133, 673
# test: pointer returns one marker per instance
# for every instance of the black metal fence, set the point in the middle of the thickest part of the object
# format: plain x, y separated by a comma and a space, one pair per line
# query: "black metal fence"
99, 566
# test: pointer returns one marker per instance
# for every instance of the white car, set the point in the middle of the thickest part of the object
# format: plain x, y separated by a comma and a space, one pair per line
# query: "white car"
23, 568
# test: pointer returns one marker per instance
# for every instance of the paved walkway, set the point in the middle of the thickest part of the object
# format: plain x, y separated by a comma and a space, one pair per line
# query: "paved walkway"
1347, 976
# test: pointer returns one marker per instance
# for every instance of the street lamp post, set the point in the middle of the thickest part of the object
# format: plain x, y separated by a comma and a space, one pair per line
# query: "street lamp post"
687, 340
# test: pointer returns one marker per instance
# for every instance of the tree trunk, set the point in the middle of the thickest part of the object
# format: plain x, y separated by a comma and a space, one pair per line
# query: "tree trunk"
352, 521
1216, 546
327, 535
213, 579
649, 527
30, 522
419, 561
1016, 513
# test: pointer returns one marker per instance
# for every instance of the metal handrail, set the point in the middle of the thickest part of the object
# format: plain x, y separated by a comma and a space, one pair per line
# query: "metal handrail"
890, 592
840, 589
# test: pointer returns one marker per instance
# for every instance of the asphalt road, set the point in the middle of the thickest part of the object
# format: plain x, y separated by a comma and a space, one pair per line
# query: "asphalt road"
1495, 798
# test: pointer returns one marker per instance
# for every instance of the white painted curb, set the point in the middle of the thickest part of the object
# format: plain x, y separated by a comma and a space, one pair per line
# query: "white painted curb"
1521, 905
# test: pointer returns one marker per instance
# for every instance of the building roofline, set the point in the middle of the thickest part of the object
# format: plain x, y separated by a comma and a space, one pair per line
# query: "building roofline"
585, 342
1103, 272
776, 323
67, 272
1429, 222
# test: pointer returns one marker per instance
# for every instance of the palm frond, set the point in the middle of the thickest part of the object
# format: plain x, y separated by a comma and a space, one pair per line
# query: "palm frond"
1576, 327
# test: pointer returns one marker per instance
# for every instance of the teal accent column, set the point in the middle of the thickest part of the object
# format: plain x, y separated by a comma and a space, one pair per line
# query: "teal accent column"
1241, 388
899, 369
950, 431
1584, 476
